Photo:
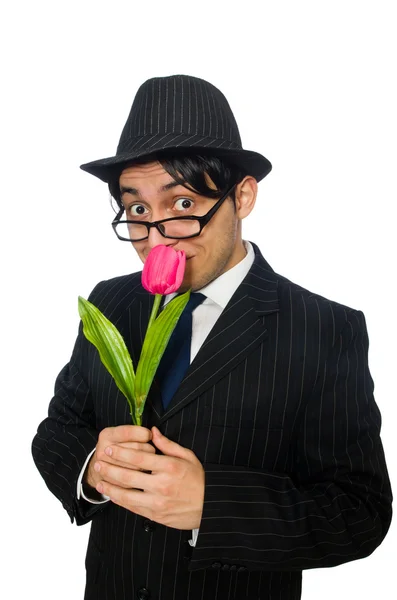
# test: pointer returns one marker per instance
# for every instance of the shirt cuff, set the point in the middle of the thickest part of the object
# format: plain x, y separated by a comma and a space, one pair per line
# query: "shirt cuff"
195, 533
80, 491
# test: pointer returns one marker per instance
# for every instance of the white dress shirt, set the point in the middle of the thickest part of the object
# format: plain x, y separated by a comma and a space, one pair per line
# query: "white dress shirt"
204, 317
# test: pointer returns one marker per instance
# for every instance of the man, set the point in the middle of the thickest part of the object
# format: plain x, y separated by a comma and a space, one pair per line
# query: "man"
266, 459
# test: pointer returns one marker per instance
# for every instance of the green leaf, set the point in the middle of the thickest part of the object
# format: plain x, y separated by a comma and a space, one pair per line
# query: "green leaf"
112, 349
154, 345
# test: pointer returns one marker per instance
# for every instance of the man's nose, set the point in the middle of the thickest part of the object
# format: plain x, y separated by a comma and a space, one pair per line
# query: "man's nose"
155, 238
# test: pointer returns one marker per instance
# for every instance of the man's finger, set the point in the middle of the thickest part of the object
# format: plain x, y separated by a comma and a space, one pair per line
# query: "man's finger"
125, 433
136, 459
136, 501
144, 446
170, 448
125, 478
124, 454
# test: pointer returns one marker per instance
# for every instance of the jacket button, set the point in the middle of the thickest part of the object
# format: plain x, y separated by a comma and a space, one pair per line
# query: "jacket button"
242, 569
149, 526
216, 565
225, 567
143, 594
233, 567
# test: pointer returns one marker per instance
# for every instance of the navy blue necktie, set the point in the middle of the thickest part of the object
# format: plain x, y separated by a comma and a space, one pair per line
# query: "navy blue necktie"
176, 358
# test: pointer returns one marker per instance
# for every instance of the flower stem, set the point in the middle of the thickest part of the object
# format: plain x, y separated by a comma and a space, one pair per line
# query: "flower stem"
155, 309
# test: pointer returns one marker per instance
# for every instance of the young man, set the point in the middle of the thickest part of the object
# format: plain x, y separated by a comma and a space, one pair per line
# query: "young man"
269, 459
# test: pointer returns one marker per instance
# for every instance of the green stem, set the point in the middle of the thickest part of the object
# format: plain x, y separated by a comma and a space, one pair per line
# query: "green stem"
155, 309
156, 305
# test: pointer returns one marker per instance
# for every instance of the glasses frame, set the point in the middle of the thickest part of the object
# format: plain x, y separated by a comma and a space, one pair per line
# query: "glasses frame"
203, 220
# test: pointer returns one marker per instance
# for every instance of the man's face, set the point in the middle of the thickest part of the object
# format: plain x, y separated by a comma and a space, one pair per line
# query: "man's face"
216, 250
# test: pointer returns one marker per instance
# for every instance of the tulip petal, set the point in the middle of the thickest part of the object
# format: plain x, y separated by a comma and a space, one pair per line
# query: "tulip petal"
180, 273
163, 270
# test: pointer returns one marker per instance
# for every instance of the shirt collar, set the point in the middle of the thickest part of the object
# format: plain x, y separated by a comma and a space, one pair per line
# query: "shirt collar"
223, 287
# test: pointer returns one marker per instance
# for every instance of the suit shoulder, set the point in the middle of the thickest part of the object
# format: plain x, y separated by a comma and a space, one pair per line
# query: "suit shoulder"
119, 282
116, 294
315, 306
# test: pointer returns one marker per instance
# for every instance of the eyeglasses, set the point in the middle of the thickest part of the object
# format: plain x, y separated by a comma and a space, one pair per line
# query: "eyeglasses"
179, 228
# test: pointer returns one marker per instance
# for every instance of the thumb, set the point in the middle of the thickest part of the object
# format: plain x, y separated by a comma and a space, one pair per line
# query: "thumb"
167, 446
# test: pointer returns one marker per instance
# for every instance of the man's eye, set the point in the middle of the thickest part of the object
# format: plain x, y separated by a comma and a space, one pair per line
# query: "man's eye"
136, 210
183, 203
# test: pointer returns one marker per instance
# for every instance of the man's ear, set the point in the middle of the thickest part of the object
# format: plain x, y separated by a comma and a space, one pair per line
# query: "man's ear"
246, 192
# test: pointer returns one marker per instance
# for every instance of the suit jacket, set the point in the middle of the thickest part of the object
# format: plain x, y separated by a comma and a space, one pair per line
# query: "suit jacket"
277, 405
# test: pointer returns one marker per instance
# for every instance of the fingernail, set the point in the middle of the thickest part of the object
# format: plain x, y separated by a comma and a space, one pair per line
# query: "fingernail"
109, 451
99, 488
97, 467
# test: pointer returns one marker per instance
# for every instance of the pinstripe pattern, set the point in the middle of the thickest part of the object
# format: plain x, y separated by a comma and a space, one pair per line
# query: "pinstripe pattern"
180, 112
278, 405
167, 98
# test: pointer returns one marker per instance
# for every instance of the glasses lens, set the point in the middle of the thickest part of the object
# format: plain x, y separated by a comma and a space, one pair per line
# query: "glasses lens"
174, 228
131, 231
180, 228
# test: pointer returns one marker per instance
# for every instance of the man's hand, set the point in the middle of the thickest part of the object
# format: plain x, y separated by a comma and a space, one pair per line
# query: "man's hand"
124, 436
172, 483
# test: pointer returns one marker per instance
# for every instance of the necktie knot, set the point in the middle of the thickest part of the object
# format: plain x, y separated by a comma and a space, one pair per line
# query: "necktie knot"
195, 299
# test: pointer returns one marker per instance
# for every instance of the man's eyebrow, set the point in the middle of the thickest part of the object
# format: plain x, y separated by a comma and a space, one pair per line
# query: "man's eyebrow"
136, 192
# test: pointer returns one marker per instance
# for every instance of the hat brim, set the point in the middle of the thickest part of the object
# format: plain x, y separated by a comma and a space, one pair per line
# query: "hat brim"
252, 162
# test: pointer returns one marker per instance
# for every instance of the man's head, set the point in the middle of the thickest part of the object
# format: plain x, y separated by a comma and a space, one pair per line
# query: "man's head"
163, 188
181, 130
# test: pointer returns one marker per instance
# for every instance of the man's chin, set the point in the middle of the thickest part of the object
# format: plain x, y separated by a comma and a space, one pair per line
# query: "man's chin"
184, 288
186, 282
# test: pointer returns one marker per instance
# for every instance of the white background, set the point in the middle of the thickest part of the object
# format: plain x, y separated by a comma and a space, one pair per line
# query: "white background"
313, 87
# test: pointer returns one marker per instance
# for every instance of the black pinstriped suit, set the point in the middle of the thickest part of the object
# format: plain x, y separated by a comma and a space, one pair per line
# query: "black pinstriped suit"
278, 406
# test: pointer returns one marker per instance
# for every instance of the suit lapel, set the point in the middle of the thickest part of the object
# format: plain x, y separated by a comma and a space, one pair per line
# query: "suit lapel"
240, 328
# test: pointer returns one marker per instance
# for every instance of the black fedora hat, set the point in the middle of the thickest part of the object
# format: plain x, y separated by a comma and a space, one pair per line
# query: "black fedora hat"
184, 114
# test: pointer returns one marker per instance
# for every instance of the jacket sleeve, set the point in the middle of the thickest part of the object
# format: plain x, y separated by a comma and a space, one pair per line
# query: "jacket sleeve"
67, 436
335, 506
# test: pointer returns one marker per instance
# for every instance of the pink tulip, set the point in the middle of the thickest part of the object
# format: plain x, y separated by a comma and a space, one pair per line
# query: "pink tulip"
163, 270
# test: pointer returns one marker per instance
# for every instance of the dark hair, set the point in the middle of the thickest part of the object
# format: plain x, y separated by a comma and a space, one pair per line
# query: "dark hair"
189, 170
